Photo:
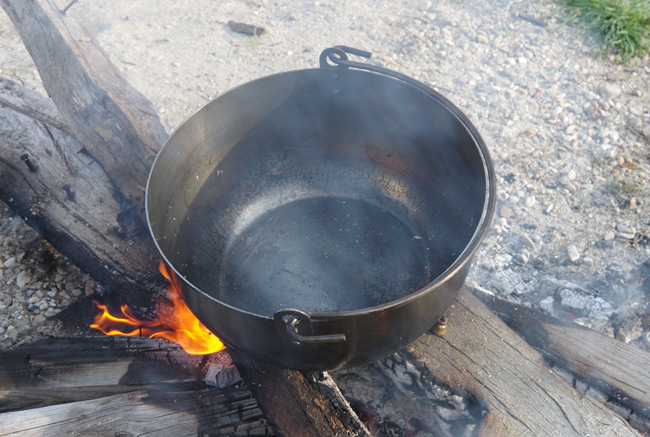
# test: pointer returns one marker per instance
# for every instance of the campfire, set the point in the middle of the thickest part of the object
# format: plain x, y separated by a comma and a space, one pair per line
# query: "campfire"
174, 322
87, 200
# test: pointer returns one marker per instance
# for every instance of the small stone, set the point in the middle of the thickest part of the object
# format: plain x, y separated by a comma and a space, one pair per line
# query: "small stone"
10, 329
63, 269
571, 175
23, 279
502, 221
527, 241
42, 268
626, 236
52, 293
609, 235
89, 290
505, 212
482, 39
530, 201
38, 318
573, 253
76, 292
43, 306
549, 208
622, 227
10, 262
610, 90
633, 204
521, 259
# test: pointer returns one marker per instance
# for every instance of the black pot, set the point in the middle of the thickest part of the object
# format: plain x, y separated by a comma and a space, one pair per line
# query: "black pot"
322, 218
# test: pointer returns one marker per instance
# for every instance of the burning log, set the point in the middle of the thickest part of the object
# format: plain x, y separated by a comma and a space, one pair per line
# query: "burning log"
105, 385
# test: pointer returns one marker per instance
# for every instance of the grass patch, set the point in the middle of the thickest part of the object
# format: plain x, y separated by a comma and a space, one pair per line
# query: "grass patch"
621, 24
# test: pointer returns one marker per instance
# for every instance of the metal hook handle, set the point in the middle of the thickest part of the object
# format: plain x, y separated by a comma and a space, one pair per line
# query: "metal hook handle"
287, 321
337, 56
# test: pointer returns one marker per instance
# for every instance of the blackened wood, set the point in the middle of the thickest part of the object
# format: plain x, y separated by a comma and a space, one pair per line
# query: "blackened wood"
151, 412
300, 404
481, 355
117, 125
620, 370
91, 386
47, 176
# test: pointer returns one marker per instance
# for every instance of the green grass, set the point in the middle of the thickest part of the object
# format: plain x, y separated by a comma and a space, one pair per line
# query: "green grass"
622, 24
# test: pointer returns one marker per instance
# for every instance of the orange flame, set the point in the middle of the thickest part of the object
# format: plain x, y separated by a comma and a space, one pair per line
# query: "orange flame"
175, 322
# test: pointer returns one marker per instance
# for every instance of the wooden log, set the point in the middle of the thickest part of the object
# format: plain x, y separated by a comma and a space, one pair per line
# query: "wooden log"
112, 385
116, 124
618, 370
482, 356
62, 192
312, 403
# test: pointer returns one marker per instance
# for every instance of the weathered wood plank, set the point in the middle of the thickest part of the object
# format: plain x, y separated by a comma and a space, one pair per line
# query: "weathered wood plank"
107, 385
116, 124
311, 404
58, 189
151, 412
481, 355
620, 370
66, 370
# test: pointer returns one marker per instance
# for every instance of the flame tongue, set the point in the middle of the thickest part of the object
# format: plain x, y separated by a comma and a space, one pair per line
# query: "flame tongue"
175, 322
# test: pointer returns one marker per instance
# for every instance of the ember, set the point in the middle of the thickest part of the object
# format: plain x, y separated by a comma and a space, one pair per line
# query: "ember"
175, 322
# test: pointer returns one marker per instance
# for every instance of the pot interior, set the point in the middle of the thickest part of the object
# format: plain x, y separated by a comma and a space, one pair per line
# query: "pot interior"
332, 191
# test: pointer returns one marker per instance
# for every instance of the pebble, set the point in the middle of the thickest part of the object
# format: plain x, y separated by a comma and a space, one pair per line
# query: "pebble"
482, 39
76, 292
530, 201
571, 175
23, 279
573, 253
10, 262
610, 90
505, 212
42, 268
89, 290
63, 269
609, 235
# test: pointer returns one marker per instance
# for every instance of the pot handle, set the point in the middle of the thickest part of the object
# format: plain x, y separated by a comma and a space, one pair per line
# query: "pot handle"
295, 326
337, 57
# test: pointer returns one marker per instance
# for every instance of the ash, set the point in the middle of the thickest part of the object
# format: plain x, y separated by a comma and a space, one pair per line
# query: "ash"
568, 129
394, 388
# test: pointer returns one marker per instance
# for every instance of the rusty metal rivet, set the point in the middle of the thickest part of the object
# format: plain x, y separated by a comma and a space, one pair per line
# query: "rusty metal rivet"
441, 326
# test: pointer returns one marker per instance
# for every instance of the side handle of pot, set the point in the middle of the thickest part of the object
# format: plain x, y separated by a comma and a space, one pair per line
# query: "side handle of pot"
296, 327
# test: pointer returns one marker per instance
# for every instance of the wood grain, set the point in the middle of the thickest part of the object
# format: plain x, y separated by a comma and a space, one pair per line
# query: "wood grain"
481, 355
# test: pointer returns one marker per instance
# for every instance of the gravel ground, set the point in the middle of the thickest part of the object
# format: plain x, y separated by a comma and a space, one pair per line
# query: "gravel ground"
568, 128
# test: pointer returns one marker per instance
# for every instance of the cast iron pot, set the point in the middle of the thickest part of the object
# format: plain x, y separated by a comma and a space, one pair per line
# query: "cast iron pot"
322, 218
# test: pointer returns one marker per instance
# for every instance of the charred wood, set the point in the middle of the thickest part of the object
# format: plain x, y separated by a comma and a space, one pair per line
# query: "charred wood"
616, 372
107, 385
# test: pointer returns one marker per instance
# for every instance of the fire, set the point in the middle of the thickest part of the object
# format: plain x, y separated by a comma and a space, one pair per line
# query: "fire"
175, 322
